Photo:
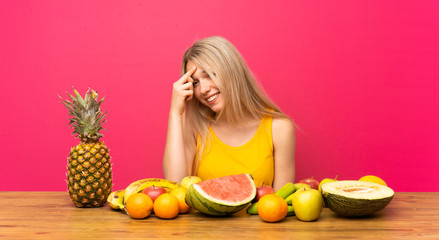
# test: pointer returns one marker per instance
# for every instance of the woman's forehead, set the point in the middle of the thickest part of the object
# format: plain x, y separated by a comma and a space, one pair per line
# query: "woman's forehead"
190, 64
200, 69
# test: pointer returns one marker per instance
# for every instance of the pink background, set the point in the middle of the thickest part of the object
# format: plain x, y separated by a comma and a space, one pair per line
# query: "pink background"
360, 78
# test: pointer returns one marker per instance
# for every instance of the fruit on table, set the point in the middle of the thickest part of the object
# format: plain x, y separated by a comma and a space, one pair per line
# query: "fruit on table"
166, 206
222, 196
189, 180
154, 192
314, 184
253, 209
272, 208
283, 192
89, 173
302, 185
141, 184
290, 211
286, 190
180, 194
326, 180
298, 186
289, 199
115, 199
139, 206
374, 179
263, 190
307, 204
356, 198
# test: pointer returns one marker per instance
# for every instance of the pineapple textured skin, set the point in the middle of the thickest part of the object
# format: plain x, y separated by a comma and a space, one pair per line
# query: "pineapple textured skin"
89, 174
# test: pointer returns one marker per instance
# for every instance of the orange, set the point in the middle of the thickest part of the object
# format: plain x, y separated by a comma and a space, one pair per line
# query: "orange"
166, 206
180, 194
272, 208
139, 205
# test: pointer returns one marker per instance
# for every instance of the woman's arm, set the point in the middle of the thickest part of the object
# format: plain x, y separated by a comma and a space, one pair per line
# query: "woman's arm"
284, 142
177, 158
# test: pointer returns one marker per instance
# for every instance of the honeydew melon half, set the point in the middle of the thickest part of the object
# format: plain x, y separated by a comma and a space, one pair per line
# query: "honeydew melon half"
356, 198
222, 196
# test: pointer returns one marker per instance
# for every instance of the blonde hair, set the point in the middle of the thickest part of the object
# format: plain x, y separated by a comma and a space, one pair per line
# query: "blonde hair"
242, 96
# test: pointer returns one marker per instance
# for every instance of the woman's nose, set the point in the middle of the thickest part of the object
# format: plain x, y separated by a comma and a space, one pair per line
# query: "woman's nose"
204, 86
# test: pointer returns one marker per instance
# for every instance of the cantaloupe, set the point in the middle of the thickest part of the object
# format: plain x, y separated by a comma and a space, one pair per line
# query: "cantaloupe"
356, 198
222, 196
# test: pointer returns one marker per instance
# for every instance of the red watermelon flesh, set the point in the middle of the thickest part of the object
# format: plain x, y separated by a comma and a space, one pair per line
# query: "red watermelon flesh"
222, 196
234, 188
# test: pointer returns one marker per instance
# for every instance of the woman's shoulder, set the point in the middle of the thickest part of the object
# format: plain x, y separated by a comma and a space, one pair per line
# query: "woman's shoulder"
282, 125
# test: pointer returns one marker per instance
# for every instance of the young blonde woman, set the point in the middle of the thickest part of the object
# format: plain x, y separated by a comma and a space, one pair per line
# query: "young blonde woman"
221, 123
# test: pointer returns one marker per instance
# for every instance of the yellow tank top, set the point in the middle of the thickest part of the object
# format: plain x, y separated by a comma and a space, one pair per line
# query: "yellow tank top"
254, 157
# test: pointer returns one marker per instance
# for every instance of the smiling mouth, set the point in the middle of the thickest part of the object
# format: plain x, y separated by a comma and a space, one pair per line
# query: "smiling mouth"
212, 98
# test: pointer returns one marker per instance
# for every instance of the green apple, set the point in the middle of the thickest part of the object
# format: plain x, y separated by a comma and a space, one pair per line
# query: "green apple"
189, 180
307, 204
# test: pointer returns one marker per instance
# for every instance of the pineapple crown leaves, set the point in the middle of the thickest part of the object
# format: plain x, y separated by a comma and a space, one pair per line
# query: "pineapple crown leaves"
86, 116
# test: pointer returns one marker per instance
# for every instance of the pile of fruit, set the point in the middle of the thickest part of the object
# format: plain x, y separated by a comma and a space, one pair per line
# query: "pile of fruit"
292, 199
306, 198
230, 194
164, 198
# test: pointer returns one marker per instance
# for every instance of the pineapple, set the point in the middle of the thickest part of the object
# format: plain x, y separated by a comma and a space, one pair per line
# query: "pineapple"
89, 174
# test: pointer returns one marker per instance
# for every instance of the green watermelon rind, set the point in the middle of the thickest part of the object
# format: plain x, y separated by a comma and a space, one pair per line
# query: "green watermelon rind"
210, 207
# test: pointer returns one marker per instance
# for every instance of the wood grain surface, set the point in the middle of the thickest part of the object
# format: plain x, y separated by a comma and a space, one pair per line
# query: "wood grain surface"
51, 215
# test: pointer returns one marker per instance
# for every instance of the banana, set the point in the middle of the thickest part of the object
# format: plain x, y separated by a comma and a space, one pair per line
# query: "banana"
289, 199
253, 209
115, 199
139, 185
286, 190
290, 211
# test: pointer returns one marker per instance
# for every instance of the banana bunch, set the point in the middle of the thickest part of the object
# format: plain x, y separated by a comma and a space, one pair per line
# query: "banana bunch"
118, 199
285, 191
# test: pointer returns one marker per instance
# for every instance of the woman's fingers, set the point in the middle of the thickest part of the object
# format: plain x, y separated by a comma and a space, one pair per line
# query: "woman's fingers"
189, 94
188, 90
180, 87
183, 91
191, 71
187, 76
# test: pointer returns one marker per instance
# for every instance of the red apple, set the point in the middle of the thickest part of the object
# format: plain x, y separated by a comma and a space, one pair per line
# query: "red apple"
263, 190
314, 184
154, 192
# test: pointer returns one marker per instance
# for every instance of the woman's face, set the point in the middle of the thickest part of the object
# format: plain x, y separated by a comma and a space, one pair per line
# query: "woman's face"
205, 89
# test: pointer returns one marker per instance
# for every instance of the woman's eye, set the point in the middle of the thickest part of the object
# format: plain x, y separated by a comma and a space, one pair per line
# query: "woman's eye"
194, 83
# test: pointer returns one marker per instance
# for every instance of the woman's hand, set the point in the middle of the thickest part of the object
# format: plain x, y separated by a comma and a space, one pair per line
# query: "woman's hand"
182, 92
175, 163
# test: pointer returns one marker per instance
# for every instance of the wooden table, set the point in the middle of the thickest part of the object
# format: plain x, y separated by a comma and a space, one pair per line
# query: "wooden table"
51, 215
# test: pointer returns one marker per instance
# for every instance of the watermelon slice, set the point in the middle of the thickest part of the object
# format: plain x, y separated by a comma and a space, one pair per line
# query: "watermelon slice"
222, 196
